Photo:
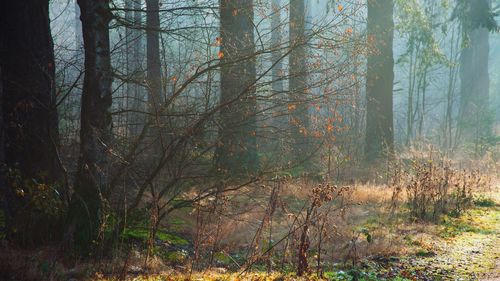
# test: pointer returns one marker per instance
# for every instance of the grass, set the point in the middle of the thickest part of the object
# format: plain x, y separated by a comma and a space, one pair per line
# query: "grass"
456, 247
389, 248
477, 220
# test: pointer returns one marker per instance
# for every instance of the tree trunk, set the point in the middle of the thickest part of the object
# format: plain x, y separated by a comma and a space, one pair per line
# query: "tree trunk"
86, 210
237, 148
78, 30
30, 120
277, 75
134, 61
280, 121
3, 182
153, 55
154, 81
474, 116
379, 80
299, 106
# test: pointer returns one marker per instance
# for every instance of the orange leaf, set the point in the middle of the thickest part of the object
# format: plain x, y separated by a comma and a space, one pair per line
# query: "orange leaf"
220, 54
340, 7
218, 41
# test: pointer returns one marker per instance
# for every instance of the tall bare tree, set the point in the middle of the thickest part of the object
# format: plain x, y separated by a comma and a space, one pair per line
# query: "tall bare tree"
237, 149
474, 112
280, 121
30, 117
299, 106
86, 209
276, 36
153, 54
379, 80
133, 16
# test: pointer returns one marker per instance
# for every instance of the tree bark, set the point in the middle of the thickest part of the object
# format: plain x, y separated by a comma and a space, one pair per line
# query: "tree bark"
86, 210
134, 61
379, 80
30, 120
153, 55
299, 106
474, 115
237, 148
78, 30
276, 36
3, 181
280, 118
154, 79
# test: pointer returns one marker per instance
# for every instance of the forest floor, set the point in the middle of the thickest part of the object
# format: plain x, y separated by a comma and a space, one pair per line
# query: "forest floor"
466, 247
458, 248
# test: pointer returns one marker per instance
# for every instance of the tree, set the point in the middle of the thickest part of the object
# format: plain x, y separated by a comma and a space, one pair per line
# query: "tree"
419, 23
276, 36
133, 17
3, 195
153, 74
278, 97
86, 208
30, 119
78, 30
298, 107
237, 148
474, 115
379, 80
153, 55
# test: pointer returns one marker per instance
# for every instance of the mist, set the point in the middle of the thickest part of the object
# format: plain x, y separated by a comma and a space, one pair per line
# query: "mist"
247, 139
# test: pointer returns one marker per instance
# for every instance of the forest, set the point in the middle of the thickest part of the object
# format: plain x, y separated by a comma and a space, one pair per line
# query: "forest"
250, 140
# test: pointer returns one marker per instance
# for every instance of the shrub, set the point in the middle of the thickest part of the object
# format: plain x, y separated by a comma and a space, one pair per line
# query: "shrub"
431, 189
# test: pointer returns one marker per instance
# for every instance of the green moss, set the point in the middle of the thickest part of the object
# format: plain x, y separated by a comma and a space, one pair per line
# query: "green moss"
175, 257
483, 201
142, 234
481, 221
425, 253
456, 227
222, 258
172, 238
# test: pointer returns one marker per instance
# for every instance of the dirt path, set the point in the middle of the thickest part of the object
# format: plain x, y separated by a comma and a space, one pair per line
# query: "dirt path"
465, 248
475, 253
494, 274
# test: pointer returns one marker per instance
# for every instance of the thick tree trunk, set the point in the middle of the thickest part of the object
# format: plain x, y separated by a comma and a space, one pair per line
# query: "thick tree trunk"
379, 80
91, 181
30, 120
153, 56
154, 81
133, 15
280, 120
237, 149
276, 36
3, 181
299, 106
474, 115
78, 30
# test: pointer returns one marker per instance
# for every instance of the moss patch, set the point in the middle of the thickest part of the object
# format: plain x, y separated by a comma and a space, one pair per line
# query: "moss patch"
143, 234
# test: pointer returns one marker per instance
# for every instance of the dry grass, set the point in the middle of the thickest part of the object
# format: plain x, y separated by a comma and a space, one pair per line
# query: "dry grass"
239, 224
366, 206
